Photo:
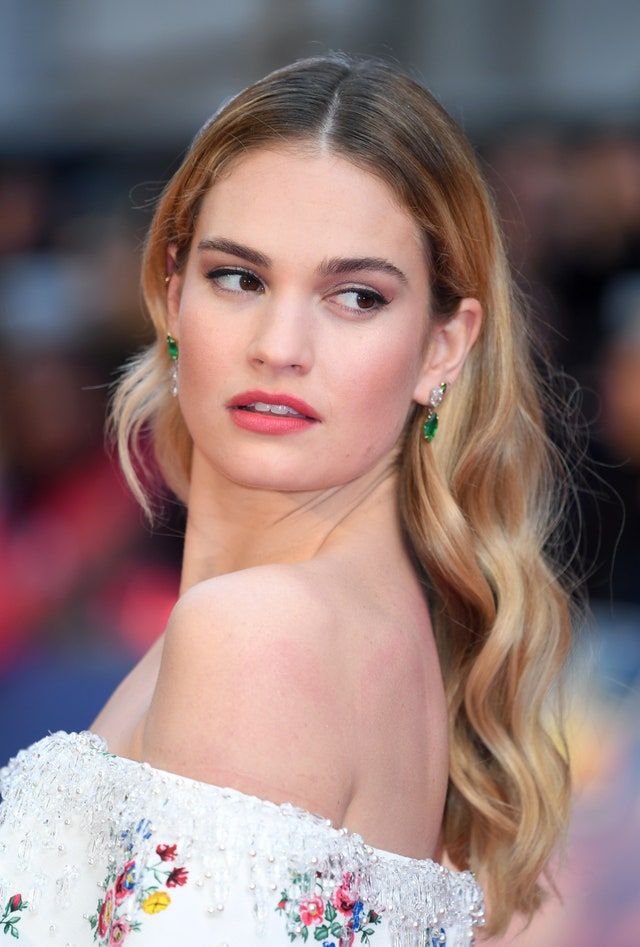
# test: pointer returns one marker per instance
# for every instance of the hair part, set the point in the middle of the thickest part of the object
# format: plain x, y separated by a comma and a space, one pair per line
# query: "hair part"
480, 505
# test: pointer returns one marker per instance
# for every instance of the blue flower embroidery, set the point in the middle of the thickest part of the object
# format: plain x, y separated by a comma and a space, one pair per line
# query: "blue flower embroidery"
143, 828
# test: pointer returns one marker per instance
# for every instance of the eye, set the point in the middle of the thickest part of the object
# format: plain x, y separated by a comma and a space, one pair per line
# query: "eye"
366, 300
224, 277
370, 299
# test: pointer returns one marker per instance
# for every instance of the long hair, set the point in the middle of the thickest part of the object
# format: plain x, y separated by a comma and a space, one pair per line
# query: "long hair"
480, 505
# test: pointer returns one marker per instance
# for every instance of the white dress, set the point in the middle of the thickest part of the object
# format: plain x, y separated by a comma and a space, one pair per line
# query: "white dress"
99, 849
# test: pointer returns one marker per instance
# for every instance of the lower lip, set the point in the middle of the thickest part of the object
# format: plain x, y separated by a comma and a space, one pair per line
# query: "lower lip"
269, 423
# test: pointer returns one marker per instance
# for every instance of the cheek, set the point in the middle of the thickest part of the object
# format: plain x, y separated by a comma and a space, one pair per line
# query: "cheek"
377, 391
207, 344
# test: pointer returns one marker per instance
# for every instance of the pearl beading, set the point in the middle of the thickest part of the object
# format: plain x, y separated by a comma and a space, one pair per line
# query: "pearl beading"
70, 780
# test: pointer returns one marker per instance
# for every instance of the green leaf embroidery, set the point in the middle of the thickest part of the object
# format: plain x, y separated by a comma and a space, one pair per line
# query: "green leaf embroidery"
10, 918
330, 912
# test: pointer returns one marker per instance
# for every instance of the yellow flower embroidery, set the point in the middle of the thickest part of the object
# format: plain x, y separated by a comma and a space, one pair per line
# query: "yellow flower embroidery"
156, 902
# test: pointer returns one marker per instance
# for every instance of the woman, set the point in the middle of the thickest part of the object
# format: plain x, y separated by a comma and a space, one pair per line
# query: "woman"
353, 683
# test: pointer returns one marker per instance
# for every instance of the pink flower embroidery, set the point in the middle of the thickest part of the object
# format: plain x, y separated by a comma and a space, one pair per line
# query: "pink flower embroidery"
332, 914
106, 911
342, 898
125, 882
119, 930
166, 852
15, 902
311, 910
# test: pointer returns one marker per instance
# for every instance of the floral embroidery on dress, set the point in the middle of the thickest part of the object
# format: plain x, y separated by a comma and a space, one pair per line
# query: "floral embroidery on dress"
10, 918
111, 923
337, 913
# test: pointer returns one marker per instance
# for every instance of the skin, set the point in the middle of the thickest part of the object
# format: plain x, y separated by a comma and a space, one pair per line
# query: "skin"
257, 499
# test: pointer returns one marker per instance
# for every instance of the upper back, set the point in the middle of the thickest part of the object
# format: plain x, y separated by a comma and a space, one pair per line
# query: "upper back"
397, 702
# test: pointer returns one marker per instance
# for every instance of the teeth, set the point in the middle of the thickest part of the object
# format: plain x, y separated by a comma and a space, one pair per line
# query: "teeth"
274, 408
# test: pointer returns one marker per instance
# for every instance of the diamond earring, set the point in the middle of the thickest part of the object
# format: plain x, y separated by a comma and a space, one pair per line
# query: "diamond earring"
430, 425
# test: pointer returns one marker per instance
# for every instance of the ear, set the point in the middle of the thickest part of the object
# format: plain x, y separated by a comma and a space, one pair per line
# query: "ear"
448, 347
174, 289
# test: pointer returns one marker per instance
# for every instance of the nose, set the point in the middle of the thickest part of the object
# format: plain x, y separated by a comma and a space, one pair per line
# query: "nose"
281, 336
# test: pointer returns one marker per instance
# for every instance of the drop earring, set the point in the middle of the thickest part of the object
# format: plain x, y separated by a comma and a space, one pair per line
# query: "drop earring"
430, 425
172, 346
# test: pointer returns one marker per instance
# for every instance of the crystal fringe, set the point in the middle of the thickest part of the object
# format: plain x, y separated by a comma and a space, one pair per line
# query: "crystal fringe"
71, 779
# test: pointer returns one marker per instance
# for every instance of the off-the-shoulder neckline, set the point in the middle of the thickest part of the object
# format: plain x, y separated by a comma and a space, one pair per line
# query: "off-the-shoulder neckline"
268, 803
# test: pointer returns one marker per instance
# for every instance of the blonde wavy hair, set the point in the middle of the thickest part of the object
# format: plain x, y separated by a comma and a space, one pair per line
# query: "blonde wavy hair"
480, 505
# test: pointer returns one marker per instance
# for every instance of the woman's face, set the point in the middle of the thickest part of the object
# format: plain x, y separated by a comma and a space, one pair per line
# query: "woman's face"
324, 296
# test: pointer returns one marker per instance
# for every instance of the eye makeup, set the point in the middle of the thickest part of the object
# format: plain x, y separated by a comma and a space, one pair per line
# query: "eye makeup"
377, 299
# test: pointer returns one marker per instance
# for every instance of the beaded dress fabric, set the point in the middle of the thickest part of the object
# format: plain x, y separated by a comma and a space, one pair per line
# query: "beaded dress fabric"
99, 849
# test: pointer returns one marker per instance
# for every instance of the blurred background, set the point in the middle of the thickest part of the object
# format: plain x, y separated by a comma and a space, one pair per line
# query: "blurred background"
98, 104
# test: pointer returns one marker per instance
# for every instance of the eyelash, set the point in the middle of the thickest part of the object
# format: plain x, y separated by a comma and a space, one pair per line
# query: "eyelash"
378, 298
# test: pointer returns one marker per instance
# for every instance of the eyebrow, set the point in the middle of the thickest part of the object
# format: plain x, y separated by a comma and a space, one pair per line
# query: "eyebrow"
333, 267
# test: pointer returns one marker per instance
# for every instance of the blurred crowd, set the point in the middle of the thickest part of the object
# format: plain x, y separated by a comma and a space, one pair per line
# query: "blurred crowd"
85, 584
569, 201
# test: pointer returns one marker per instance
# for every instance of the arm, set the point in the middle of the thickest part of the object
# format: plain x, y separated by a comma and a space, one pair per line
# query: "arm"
252, 693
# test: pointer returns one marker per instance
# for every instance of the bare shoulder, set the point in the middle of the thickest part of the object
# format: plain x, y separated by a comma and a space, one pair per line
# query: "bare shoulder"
259, 615
250, 694
254, 593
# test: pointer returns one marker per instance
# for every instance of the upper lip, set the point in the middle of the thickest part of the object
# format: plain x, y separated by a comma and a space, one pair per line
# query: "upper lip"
273, 397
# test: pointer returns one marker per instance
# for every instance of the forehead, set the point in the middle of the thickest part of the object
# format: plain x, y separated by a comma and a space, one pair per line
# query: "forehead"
308, 198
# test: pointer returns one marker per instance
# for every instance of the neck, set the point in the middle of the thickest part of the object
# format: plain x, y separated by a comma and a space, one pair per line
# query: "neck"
231, 526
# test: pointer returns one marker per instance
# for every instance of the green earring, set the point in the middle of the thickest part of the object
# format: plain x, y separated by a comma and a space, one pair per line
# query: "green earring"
430, 425
172, 345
